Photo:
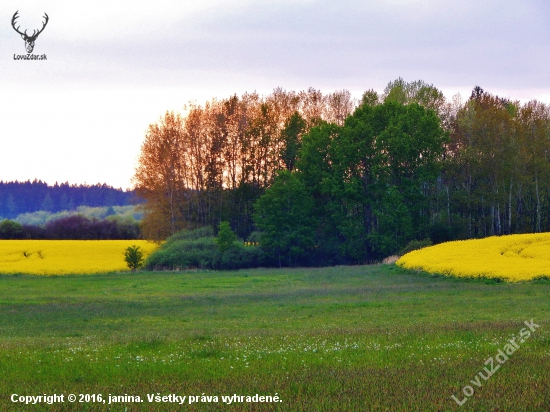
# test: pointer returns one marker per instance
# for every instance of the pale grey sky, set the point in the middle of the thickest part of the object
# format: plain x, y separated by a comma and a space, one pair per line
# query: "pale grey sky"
114, 67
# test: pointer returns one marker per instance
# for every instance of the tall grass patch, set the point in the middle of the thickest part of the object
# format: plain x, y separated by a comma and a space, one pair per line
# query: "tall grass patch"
342, 338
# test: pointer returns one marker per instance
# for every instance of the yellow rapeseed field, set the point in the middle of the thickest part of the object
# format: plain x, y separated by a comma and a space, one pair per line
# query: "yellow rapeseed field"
62, 257
513, 258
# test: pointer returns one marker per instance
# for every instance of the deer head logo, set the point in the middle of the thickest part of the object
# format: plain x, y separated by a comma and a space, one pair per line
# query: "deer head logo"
29, 40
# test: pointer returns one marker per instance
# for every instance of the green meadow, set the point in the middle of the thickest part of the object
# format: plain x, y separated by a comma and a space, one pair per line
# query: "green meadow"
353, 338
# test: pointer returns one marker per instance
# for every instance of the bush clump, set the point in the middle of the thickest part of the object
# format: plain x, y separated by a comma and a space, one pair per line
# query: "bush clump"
200, 253
242, 257
199, 249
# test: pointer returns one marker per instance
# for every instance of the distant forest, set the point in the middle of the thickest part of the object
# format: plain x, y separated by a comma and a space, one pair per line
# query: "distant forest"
27, 197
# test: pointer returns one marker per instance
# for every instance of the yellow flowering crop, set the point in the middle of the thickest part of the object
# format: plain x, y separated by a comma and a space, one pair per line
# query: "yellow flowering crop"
513, 258
61, 257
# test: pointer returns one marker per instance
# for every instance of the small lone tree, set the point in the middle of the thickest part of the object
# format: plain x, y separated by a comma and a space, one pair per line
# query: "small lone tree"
226, 237
133, 257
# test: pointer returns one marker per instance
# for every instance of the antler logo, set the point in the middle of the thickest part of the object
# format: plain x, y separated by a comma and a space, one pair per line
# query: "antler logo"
29, 40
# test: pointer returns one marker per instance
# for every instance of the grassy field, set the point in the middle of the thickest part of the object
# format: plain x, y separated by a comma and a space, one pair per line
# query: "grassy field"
329, 339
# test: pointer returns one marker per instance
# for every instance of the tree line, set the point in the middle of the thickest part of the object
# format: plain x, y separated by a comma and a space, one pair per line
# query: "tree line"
73, 227
27, 197
323, 178
495, 177
214, 163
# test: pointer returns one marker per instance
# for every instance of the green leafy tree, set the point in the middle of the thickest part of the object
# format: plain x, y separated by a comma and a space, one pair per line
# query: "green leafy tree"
226, 238
10, 229
384, 157
394, 223
418, 91
284, 214
291, 138
133, 257
370, 98
368, 177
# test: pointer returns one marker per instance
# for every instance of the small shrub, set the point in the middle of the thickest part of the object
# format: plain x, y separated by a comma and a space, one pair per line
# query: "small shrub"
226, 237
133, 257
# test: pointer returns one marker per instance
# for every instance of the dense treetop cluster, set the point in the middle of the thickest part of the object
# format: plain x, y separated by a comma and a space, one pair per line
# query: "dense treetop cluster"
324, 179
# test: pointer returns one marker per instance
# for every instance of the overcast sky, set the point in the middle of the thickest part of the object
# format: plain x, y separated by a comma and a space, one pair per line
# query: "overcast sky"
114, 67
